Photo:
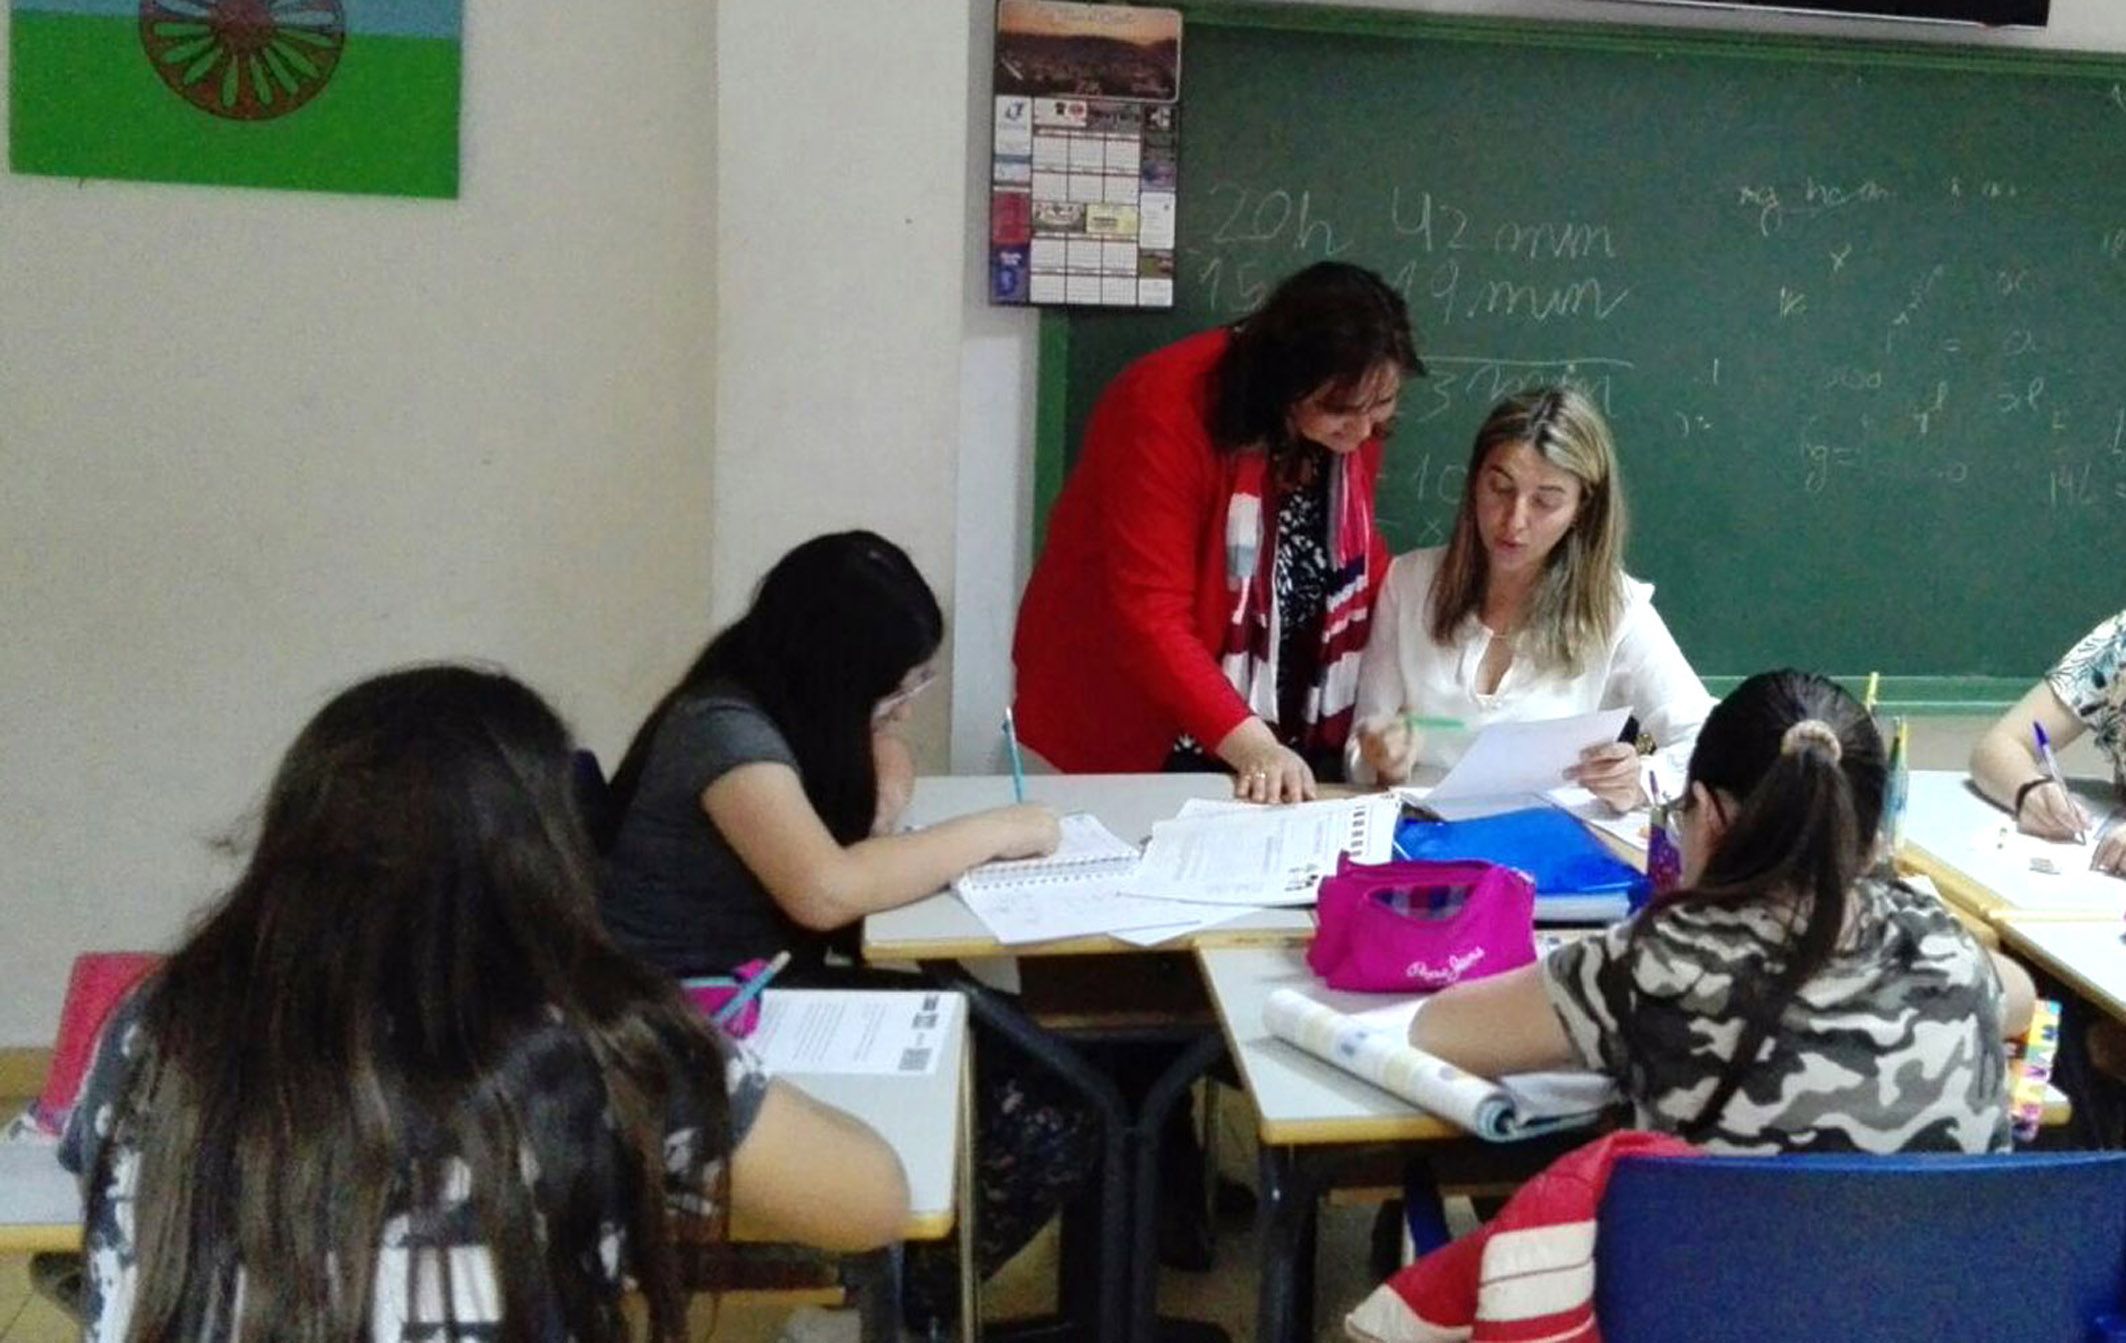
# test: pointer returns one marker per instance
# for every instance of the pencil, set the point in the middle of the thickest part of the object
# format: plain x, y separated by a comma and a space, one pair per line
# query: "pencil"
749, 990
1874, 683
1018, 766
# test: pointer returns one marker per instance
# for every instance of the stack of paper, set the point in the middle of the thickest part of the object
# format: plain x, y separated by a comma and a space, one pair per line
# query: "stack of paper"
1077, 892
1509, 763
1256, 856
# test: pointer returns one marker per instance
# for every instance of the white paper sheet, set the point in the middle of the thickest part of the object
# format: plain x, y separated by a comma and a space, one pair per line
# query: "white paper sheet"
852, 1030
1633, 827
1207, 916
2054, 875
1072, 909
1512, 760
1263, 855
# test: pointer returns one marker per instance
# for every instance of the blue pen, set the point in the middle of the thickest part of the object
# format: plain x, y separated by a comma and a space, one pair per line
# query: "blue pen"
1018, 766
749, 990
2052, 767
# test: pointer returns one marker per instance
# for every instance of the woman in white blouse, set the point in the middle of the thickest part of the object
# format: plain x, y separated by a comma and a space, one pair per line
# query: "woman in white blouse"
1527, 612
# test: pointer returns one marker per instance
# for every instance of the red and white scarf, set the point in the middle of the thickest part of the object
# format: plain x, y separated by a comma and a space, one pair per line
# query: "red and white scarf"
1249, 655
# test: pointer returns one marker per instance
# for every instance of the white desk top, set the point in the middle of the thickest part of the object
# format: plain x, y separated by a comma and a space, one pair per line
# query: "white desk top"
40, 1205
920, 1117
1951, 834
943, 928
2089, 954
1298, 1098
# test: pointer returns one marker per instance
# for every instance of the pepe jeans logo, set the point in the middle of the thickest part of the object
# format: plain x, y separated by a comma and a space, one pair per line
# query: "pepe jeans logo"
1424, 972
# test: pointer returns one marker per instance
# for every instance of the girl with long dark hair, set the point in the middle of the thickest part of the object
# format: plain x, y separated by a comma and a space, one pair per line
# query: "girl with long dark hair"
399, 1084
752, 816
1786, 998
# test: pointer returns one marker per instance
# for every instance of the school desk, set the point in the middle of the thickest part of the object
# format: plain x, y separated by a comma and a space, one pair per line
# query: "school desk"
940, 931
941, 927
2087, 955
1314, 1118
1952, 835
923, 1117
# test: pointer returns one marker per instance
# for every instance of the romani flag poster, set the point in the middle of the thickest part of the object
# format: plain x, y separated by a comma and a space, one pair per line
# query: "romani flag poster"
315, 95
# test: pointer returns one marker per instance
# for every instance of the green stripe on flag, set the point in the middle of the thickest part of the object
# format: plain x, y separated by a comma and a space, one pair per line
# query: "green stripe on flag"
85, 102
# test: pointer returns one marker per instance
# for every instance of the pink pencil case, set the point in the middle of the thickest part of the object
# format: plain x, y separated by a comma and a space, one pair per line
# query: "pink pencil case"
711, 993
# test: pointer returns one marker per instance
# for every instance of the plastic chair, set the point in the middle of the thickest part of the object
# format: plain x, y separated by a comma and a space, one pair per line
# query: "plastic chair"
594, 800
2029, 1248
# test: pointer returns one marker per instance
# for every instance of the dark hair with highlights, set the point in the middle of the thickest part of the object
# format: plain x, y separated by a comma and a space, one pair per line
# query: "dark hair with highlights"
370, 1016
1803, 829
1326, 326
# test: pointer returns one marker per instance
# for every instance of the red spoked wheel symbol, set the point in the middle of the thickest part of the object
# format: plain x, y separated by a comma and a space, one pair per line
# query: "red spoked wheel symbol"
248, 60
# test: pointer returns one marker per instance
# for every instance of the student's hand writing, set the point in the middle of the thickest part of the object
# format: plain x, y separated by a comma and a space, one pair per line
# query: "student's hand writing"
2111, 853
1029, 830
1264, 769
1611, 772
1388, 746
2049, 813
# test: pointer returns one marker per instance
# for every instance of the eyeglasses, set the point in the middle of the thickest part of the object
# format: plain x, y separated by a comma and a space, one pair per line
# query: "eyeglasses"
893, 703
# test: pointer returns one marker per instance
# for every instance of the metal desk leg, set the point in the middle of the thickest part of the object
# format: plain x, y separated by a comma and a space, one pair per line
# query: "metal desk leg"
873, 1282
1111, 1322
1159, 1102
1284, 1239
1423, 1212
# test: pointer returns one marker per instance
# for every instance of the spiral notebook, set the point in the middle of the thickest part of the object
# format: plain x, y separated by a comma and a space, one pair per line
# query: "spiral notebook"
1073, 892
1087, 850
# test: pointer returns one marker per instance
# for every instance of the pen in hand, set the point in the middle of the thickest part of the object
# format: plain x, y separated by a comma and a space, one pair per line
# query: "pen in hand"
2052, 770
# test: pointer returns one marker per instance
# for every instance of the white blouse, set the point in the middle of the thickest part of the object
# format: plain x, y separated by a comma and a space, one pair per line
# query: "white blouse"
1641, 669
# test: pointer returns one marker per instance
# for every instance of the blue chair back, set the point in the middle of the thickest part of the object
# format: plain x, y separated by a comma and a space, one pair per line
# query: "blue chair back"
2029, 1248
594, 802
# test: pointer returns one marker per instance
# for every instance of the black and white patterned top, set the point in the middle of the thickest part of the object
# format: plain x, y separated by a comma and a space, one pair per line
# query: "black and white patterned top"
572, 1139
2091, 680
1894, 1046
1300, 572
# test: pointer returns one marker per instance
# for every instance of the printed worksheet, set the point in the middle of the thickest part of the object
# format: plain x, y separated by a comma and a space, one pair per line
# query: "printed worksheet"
853, 1030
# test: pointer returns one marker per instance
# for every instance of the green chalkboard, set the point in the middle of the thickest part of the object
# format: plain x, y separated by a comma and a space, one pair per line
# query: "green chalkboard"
1857, 313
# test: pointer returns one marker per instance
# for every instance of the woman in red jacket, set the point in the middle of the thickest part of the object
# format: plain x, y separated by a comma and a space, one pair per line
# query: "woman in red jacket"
1210, 566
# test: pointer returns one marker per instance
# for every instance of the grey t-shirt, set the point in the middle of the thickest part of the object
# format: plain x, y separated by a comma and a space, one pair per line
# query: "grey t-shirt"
674, 891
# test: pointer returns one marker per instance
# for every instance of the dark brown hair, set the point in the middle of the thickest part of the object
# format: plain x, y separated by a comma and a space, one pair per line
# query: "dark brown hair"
417, 917
1326, 326
1803, 829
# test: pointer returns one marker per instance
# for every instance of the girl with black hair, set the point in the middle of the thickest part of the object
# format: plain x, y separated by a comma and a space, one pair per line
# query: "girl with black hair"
1786, 998
1202, 598
756, 812
399, 1085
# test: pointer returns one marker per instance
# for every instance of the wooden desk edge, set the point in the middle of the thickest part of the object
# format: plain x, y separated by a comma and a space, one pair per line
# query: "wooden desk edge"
1957, 888
982, 948
1380, 1128
1313, 1132
58, 1237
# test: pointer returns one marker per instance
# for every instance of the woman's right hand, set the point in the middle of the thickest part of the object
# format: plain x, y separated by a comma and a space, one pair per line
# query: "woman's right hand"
2049, 813
1388, 746
1264, 768
1027, 830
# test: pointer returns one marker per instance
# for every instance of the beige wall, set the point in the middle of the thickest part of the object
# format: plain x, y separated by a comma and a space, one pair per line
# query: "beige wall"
254, 444
841, 186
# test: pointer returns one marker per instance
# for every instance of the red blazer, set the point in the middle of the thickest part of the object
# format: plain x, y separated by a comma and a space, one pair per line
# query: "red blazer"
1116, 643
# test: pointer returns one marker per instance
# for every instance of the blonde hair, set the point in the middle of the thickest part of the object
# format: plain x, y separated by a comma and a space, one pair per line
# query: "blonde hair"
1580, 596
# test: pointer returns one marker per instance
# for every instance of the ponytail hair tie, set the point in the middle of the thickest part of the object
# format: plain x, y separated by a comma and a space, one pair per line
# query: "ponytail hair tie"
1812, 732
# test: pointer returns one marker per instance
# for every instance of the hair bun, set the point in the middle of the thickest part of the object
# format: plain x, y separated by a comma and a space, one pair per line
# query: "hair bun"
1812, 732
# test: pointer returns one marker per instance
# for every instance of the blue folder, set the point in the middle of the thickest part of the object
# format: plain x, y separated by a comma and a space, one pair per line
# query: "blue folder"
1577, 880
